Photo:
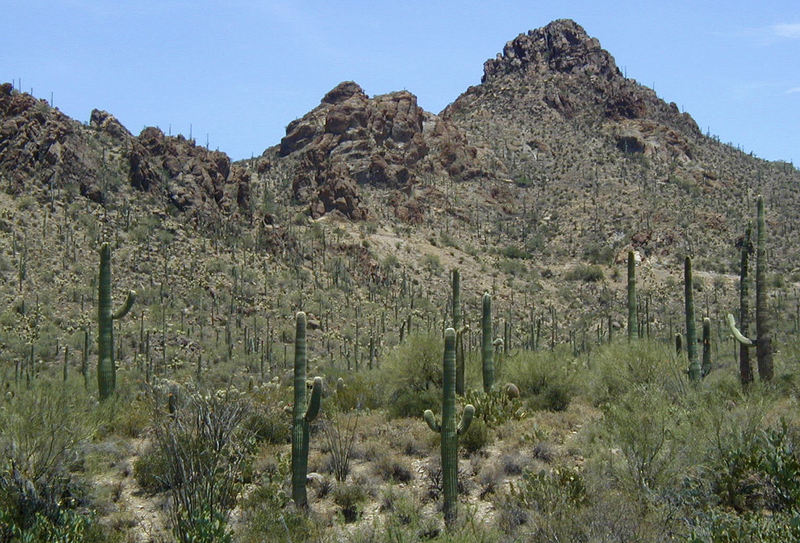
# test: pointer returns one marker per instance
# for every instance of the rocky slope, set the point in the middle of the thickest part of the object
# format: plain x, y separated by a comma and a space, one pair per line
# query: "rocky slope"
41, 149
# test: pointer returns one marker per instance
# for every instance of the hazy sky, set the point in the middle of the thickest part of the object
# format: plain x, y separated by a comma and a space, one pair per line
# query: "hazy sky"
241, 71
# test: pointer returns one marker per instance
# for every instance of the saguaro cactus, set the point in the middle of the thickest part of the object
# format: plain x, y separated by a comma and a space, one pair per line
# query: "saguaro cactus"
106, 369
459, 332
706, 367
695, 372
745, 368
448, 428
633, 320
763, 340
302, 414
487, 349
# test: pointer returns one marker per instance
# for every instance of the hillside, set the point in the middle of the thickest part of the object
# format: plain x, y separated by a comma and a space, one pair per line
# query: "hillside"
535, 184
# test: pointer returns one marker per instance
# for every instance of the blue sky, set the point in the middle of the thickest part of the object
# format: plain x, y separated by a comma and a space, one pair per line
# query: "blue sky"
241, 71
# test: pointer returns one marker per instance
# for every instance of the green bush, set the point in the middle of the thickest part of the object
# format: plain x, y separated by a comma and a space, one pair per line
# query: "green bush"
477, 436
410, 377
351, 499
589, 273
42, 436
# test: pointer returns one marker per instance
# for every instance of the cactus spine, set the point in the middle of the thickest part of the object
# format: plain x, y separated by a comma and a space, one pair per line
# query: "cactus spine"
459, 332
632, 318
691, 333
448, 428
706, 367
106, 369
302, 414
763, 341
487, 349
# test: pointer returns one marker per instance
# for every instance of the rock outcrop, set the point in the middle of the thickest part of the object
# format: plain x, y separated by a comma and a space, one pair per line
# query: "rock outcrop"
193, 178
387, 141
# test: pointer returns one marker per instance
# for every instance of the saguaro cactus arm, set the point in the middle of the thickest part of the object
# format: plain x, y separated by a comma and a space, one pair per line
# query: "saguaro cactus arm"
466, 419
431, 420
313, 404
122, 311
737, 334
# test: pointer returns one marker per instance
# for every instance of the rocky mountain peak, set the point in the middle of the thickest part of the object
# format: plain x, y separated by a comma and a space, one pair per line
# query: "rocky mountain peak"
561, 46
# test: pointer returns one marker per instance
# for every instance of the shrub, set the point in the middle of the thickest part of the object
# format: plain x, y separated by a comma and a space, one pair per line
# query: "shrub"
588, 273
43, 430
477, 436
205, 451
351, 499
411, 376
391, 468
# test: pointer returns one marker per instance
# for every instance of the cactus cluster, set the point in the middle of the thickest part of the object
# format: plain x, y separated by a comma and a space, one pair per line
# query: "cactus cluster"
106, 369
448, 429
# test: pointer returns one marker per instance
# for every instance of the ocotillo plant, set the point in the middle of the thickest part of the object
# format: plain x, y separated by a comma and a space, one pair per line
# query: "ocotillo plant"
459, 332
106, 369
487, 349
763, 340
448, 428
302, 414
632, 318
706, 367
695, 371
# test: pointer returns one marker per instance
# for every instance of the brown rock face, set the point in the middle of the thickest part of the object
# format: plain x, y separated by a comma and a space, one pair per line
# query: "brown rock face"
194, 178
39, 144
106, 122
387, 141
561, 46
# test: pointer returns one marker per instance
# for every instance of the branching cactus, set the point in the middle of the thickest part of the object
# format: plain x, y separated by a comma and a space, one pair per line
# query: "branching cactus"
106, 368
633, 320
695, 371
763, 339
302, 414
448, 428
487, 349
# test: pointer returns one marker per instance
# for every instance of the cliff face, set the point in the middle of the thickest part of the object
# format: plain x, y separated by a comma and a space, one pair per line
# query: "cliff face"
352, 140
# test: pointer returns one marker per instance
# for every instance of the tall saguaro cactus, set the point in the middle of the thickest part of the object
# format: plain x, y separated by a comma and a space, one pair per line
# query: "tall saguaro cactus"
745, 368
633, 320
106, 369
459, 332
763, 340
706, 367
302, 414
695, 371
448, 429
487, 349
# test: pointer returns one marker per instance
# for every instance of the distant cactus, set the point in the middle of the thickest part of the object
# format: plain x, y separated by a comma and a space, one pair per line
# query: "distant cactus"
448, 429
695, 372
678, 344
763, 341
487, 352
106, 369
302, 414
633, 320
706, 366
